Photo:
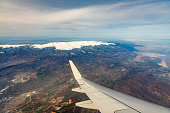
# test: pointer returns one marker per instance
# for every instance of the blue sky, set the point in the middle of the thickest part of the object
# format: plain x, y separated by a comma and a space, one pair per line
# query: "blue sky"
125, 19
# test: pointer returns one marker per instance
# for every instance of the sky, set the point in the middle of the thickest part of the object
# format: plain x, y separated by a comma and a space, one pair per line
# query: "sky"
124, 19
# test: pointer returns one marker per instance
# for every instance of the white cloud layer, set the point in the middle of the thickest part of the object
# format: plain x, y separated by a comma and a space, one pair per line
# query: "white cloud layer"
18, 20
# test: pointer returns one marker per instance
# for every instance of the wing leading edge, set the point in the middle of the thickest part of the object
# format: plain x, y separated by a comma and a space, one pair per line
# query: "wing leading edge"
111, 101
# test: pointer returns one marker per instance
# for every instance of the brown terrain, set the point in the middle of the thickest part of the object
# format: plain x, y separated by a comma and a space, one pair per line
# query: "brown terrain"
43, 83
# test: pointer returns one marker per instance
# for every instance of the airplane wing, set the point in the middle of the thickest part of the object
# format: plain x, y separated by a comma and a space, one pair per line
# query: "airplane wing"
111, 101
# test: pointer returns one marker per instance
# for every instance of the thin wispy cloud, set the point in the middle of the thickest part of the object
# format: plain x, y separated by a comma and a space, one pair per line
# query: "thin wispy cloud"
24, 20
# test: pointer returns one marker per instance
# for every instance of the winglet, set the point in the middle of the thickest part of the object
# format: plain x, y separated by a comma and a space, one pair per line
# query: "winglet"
76, 73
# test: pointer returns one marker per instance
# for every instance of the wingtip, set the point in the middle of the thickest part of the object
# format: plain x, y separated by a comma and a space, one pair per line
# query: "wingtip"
75, 71
70, 61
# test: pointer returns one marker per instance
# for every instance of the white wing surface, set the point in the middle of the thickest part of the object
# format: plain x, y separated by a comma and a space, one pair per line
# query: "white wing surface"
111, 101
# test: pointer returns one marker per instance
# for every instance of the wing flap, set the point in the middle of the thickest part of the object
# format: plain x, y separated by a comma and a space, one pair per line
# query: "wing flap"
80, 90
86, 104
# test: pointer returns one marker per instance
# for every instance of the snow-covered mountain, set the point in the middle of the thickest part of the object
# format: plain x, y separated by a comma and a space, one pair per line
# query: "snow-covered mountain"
63, 45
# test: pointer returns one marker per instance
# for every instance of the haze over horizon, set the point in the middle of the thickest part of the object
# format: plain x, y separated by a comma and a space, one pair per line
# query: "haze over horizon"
124, 19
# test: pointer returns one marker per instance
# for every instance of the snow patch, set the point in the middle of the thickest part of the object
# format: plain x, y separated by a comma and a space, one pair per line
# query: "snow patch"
4, 89
8, 46
28, 94
163, 64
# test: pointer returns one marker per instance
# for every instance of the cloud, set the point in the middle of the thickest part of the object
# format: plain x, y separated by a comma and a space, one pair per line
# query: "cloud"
24, 20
